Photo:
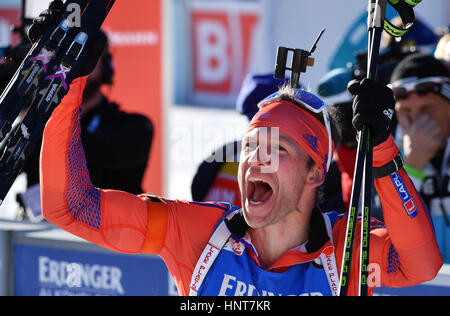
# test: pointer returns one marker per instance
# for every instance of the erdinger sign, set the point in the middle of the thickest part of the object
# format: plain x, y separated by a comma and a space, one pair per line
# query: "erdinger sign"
221, 35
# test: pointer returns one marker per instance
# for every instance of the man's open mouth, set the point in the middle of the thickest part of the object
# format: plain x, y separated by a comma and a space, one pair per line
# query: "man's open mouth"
258, 191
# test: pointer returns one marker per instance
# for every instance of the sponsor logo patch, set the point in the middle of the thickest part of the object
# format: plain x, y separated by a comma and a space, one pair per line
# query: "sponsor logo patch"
409, 204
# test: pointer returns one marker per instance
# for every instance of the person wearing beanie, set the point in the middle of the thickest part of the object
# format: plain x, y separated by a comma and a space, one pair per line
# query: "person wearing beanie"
278, 242
421, 86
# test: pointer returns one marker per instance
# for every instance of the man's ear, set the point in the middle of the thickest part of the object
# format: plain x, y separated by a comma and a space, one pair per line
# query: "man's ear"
315, 176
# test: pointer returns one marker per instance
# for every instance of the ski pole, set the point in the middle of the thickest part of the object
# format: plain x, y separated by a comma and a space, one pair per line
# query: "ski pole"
375, 29
363, 170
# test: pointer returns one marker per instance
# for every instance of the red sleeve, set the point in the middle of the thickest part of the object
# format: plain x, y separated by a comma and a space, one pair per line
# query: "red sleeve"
403, 251
412, 252
112, 219
176, 230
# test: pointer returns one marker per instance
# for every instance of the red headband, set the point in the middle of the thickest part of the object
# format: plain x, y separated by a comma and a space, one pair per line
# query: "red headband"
298, 124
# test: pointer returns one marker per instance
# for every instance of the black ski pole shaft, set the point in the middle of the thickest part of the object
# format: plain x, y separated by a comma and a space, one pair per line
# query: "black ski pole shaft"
375, 31
362, 179
365, 220
352, 217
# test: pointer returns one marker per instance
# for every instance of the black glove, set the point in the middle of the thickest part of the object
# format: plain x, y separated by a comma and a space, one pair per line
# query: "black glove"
373, 105
47, 18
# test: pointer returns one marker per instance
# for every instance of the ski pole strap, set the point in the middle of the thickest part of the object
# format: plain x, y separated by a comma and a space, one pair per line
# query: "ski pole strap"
392, 166
405, 10
412, 3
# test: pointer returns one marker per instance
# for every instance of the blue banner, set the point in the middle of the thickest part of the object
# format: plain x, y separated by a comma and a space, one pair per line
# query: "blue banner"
49, 271
46, 271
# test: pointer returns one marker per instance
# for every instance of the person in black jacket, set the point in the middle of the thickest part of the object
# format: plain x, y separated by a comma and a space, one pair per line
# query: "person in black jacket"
117, 144
421, 85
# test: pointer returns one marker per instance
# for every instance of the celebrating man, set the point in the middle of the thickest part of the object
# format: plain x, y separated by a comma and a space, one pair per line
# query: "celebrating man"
279, 243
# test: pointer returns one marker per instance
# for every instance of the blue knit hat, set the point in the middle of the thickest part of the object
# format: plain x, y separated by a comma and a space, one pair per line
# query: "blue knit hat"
254, 89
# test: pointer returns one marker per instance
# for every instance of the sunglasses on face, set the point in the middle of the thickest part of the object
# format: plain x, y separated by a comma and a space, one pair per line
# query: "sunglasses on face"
437, 85
312, 103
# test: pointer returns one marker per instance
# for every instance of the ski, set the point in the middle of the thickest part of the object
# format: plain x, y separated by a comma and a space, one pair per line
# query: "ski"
45, 74
33, 68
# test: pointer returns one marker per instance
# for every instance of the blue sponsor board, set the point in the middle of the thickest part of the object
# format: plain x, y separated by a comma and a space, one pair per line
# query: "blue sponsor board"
51, 271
